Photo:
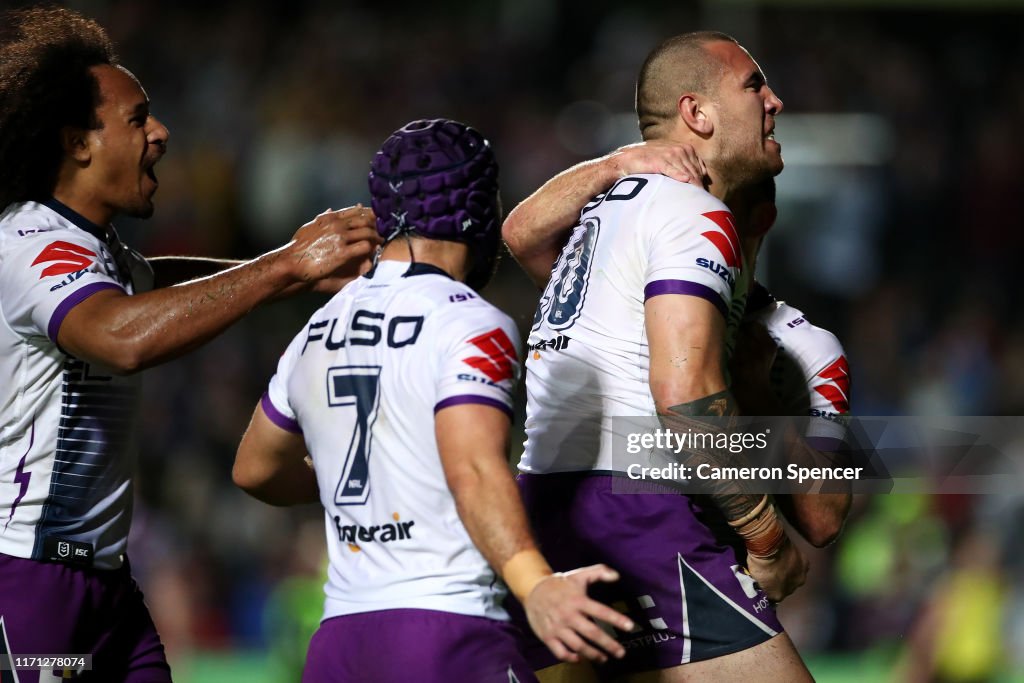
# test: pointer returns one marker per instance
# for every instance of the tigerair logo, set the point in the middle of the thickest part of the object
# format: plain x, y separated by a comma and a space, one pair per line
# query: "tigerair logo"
499, 361
559, 343
356, 535
65, 258
837, 390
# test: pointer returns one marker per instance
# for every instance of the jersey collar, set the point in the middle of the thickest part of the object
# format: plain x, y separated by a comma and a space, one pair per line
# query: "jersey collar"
78, 219
415, 268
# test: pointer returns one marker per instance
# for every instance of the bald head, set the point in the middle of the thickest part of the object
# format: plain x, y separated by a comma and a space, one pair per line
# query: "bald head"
680, 64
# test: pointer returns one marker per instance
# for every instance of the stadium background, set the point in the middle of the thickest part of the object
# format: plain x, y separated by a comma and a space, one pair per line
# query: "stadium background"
900, 224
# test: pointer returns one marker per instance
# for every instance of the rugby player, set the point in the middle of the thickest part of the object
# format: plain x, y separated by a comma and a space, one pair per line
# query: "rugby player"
400, 389
78, 147
783, 364
640, 304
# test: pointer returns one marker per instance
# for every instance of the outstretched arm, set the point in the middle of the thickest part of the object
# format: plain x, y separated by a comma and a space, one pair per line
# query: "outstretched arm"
173, 270
472, 440
130, 333
537, 229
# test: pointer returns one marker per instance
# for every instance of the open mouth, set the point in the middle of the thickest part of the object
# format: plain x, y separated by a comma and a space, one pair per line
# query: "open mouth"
151, 174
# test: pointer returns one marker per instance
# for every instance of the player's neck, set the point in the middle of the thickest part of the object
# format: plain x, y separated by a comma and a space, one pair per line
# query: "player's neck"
83, 202
724, 185
451, 257
751, 248
718, 183
718, 187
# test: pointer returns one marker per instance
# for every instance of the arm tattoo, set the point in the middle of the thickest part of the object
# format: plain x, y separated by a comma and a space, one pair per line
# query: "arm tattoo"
730, 495
722, 404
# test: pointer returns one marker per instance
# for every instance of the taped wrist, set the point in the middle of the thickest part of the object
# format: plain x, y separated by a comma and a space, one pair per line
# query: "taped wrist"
523, 571
761, 531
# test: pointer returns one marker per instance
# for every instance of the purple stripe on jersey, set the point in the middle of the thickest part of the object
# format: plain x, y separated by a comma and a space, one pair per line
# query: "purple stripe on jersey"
825, 444
75, 298
22, 477
473, 398
659, 287
277, 417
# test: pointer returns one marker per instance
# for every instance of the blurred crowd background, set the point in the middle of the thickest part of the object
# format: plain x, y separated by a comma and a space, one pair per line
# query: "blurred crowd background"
900, 226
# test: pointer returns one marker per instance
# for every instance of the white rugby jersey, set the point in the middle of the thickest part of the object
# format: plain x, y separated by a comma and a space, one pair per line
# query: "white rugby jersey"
810, 374
362, 382
588, 358
67, 428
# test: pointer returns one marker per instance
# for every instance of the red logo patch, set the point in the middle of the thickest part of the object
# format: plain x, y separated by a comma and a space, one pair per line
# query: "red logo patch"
837, 391
66, 257
727, 241
499, 361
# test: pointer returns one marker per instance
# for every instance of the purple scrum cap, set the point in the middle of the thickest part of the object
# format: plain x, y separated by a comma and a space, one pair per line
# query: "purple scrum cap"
439, 179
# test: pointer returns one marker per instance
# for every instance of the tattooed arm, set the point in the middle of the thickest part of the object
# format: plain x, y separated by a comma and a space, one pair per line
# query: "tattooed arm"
685, 335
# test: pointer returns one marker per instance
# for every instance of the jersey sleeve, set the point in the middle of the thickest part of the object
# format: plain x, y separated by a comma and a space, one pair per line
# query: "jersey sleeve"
693, 247
276, 403
47, 274
478, 358
829, 390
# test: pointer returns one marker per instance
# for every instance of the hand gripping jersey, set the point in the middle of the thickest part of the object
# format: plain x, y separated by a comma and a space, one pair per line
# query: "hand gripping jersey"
588, 358
810, 374
362, 383
67, 428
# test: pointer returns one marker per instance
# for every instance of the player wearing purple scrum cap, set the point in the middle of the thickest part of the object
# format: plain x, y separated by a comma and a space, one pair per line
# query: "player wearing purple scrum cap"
446, 191
400, 389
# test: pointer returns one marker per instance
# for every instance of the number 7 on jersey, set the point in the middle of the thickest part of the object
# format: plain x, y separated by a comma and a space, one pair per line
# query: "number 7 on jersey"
356, 390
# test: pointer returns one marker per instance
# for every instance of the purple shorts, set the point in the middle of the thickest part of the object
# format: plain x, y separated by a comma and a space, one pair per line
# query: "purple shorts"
426, 646
55, 609
682, 581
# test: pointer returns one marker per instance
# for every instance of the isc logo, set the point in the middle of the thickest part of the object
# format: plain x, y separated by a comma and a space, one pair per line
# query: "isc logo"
365, 329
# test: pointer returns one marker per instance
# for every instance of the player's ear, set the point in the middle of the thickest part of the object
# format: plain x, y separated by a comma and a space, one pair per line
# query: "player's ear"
692, 112
75, 143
